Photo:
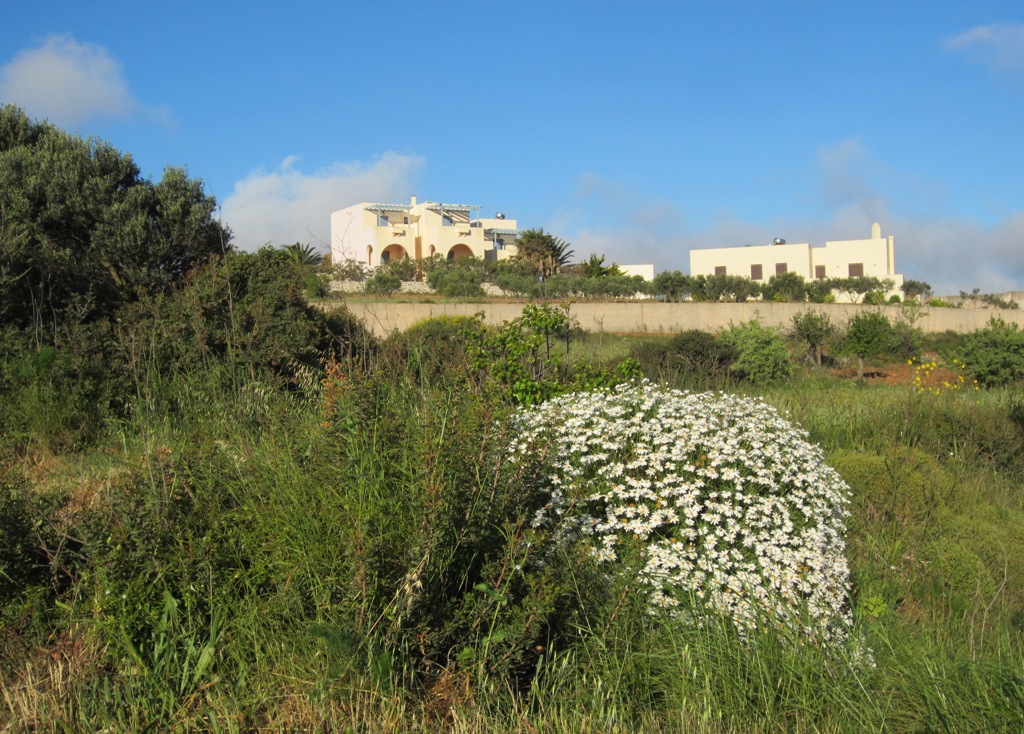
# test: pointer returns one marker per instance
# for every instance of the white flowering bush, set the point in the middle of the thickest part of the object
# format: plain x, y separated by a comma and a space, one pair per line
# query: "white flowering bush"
733, 511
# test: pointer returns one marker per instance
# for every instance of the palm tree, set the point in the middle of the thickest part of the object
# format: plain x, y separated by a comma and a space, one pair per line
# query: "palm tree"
303, 255
548, 253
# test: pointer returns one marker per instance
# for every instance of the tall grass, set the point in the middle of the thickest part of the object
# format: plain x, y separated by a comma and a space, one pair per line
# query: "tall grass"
348, 556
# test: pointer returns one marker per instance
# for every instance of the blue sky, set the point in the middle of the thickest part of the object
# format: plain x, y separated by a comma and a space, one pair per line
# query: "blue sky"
634, 130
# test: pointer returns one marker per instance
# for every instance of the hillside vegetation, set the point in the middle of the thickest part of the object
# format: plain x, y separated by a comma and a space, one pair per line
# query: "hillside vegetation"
222, 509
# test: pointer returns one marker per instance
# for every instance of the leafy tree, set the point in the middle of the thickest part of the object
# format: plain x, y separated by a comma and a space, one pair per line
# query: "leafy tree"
548, 253
855, 288
785, 287
594, 267
84, 233
813, 330
916, 290
514, 276
820, 290
609, 286
461, 277
715, 288
351, 269
672, 285
403, 268
869, 335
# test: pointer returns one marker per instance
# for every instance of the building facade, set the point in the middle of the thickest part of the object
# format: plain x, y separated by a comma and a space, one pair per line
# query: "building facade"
872, 257
374, 233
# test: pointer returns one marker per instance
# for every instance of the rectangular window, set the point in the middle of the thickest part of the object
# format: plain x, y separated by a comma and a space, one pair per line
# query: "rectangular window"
819, 271
780, 268
719, 270
446, 220
756, 272
499, 244
382, 220
856, 270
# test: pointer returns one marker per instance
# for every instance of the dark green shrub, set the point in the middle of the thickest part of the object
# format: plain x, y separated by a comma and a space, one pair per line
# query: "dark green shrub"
908, 341
994, 355
57, 397
316, 285
652, 354
243, 313
22, 561
700, 353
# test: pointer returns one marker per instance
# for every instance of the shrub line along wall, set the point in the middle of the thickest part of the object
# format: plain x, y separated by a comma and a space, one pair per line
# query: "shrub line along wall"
384, 317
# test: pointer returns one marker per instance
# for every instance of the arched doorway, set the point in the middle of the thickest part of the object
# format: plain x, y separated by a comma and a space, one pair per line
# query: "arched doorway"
392, 252
459, 252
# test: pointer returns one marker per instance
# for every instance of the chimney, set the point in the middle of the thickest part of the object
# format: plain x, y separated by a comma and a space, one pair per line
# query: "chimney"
412, 200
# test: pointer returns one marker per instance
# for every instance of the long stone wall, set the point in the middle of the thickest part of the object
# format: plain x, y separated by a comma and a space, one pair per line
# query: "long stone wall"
384, 317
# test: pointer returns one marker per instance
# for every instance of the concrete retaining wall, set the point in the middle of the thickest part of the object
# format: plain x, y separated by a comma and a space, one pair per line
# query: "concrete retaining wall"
383, 317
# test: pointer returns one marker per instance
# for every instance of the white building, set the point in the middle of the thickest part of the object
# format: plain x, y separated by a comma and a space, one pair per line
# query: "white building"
376, 233
873, 257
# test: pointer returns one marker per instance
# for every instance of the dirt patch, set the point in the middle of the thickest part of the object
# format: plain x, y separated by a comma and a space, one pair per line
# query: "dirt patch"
903, 374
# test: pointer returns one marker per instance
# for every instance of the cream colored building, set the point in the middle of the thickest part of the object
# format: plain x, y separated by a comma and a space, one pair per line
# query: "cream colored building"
378, 233
872, 257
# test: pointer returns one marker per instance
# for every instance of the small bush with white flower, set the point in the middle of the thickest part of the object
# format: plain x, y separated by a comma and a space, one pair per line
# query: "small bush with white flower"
731, 511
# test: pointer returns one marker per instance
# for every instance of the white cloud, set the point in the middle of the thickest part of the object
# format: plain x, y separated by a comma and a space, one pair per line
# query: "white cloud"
1000, 45
286, 205
950, 253
68, 82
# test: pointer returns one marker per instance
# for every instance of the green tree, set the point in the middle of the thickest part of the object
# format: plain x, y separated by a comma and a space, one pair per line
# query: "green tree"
672, 285
515, 276
869, 335
303, 255
855, 288
548, 253
785, 287
715, 288
84, 232
813, 330
594, 267
916, 289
